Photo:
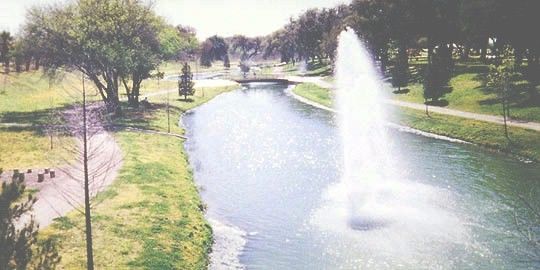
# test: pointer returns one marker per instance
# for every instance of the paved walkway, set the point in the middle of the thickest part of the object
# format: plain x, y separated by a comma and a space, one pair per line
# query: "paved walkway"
453, 112
65, 192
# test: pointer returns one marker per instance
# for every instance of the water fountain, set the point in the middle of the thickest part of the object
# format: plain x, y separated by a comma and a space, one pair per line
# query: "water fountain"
372, 194
362, 128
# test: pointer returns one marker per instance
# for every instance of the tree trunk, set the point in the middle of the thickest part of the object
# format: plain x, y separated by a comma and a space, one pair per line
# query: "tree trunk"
27, 64
483, 50
37, 63
87, 214
518, 54
465, 53
504, 119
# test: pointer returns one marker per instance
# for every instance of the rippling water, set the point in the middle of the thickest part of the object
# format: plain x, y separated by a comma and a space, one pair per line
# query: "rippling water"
267, 164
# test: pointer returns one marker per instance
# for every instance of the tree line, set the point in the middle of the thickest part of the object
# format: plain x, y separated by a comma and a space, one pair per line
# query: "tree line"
397, 30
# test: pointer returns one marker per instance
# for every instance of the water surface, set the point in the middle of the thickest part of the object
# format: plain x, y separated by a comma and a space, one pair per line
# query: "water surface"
268, 167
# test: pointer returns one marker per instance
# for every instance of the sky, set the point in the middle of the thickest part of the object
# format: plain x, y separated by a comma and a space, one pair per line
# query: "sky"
209, 17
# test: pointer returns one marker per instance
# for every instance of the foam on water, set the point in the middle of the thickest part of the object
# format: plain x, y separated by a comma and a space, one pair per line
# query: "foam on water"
229, 242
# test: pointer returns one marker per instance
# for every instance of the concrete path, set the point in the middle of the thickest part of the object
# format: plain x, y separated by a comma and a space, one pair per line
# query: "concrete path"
65, 192
453, 112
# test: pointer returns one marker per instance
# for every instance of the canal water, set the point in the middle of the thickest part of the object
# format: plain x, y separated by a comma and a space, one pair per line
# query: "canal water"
268, 165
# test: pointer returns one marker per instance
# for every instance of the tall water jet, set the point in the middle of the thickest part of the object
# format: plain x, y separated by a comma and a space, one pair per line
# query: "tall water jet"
362, 128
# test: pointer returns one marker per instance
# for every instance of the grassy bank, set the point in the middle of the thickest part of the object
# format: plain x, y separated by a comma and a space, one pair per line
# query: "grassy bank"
152, 216
525, 143
34, 99
314, 93
469, 93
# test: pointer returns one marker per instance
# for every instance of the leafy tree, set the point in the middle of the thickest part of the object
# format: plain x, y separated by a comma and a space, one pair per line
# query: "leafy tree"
371, 20
214, 49
178, 43
185, 82
248, 47
500, 79
19, 244
189, 42
6, 44
108, 41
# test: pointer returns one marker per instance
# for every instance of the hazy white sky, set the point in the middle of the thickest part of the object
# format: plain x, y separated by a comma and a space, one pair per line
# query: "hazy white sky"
209, 17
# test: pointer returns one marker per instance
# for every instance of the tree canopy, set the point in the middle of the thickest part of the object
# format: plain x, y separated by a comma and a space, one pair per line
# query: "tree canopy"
112, 42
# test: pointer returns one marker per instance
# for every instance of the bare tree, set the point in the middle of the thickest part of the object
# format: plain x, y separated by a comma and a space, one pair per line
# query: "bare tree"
97, 156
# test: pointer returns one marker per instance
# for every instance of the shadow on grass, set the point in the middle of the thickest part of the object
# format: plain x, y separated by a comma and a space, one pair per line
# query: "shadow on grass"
37, 130
438, 103
144, 117
401, 91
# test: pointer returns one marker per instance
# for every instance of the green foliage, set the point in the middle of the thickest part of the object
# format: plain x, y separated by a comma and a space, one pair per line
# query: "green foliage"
400, 70
438, 74
108, 41
177, 43
18, 241
214, 48
248, 47
185, 82
500, 77
6, 44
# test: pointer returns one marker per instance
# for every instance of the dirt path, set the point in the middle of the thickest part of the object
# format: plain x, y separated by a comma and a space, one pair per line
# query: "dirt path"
469, 115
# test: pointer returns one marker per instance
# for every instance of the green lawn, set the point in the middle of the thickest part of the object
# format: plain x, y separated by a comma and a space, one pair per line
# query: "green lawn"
31, 98
525, 143
470, 94
23, 148
152, 216
315, 93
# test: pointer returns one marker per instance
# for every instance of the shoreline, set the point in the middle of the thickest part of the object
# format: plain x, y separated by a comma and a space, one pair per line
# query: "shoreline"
449, 124
401, 128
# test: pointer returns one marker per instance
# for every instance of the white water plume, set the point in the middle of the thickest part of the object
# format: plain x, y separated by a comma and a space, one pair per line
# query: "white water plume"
388, 213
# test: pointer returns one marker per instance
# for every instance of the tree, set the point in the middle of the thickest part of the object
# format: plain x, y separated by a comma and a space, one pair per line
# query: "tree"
248, 47
111, 42
500, 80
214, 49
185, 82
18, 241
437, 77
6, 44
400, 70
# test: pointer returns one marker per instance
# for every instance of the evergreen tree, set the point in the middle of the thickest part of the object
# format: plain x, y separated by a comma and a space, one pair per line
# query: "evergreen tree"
6, 44
437, 76
185, 82
19, 245
400, 71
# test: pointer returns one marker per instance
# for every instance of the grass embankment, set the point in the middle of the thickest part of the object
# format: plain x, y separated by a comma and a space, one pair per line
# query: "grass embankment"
525, 143
314, 93
31, 98
469, 93
35, 100
151, 217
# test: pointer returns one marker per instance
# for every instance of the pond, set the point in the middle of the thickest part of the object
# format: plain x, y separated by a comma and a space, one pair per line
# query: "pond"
266, 164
